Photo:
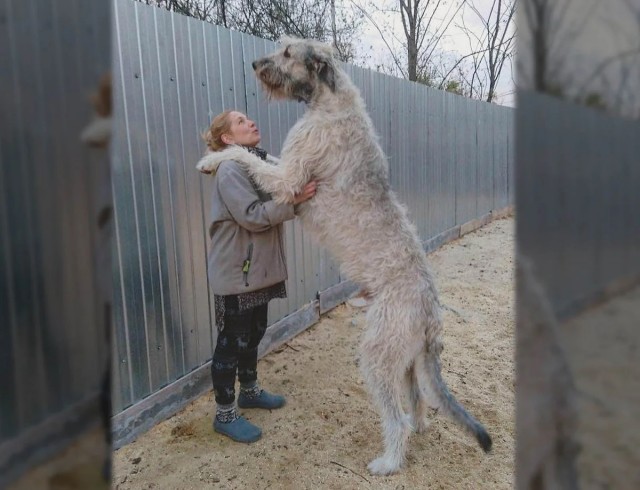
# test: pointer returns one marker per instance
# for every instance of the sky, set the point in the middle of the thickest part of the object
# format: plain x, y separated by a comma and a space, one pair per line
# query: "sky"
456, 42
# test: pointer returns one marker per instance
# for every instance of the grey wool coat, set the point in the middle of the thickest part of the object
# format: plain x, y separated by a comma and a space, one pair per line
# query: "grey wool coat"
246, 252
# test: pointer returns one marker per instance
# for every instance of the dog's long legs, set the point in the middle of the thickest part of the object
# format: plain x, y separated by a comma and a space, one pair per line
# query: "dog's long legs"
384, 363
385, 380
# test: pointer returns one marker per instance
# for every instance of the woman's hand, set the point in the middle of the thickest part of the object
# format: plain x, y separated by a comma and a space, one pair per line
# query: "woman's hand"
307, 193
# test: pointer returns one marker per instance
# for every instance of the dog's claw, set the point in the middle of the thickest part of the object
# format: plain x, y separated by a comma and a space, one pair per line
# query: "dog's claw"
383, 466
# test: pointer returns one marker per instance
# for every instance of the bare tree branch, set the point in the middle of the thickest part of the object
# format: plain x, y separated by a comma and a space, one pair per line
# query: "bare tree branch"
271, 19
375, 24
424, 25
495, 45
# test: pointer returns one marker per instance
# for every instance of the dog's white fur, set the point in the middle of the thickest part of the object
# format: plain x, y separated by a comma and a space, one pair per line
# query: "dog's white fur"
357, 216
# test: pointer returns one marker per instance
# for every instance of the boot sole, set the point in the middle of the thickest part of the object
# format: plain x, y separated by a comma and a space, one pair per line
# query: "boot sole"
245, 441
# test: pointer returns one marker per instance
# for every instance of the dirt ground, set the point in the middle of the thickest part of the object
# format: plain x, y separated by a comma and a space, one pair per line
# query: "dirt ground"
78, 467
328, 431
603, 349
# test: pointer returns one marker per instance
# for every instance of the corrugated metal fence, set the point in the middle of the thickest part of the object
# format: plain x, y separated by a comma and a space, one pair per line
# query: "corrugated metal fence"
52, 323
578, 198
451, 161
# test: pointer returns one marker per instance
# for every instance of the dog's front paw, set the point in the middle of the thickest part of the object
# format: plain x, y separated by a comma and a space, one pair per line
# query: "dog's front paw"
205, 168
384, 466
209, 163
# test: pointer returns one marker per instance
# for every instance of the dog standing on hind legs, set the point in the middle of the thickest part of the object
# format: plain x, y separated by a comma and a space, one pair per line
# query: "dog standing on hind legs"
357, 216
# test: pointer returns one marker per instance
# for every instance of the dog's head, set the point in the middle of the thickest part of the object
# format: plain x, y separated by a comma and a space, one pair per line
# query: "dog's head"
300, 70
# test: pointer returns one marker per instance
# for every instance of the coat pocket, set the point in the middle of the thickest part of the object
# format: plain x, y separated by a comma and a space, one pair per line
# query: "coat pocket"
247, 265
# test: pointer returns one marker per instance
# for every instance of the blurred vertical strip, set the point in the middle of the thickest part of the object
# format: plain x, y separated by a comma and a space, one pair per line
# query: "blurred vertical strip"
578, 235
55, 239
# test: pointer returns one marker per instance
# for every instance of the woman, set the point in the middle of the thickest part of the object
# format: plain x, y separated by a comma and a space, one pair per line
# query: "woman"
247, 269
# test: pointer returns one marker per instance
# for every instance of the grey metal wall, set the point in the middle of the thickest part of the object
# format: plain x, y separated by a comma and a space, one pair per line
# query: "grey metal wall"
450, 160
578, 197
52, 327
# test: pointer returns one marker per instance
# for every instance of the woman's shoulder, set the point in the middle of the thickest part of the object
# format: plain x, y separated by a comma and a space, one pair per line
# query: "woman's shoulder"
231, 167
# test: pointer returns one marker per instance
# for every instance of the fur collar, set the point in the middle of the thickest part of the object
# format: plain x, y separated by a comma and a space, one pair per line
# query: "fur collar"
209, 163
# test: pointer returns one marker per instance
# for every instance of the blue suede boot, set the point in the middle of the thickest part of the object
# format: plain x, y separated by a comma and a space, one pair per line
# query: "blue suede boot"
251, 396
229, 423
240, 430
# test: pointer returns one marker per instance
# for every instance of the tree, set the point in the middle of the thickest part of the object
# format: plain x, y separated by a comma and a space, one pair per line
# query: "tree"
493, 47
424, 24
455, 87
207, 10
552, 59
271, 19
548, 35
423, 31
612, 84
595, 100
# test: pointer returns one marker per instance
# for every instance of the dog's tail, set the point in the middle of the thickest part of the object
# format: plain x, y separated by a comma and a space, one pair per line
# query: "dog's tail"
451, 406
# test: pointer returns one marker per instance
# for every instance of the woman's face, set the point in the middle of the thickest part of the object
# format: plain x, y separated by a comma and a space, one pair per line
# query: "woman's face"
243, 131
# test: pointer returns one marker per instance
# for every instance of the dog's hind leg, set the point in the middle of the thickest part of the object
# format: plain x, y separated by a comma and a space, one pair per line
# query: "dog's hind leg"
384, 363
385, 386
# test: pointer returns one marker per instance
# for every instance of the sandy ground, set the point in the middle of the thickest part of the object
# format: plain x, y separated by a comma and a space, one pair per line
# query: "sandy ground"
603, 349
78, 467
328, 431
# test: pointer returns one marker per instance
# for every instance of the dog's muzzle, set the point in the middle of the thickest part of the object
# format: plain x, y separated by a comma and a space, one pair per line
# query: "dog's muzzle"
257, 64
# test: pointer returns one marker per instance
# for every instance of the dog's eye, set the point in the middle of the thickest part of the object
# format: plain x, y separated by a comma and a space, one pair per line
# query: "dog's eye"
286, 53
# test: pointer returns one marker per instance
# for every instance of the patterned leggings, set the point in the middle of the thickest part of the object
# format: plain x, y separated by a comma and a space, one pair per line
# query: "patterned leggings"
237, 350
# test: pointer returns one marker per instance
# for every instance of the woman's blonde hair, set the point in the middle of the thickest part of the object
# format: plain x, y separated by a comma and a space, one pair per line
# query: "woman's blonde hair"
213, 136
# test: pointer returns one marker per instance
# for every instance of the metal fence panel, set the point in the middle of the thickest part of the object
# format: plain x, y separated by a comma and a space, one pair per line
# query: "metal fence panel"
157, 80
448, 189
52, 340
128, 195
168, 156
121, 349
434, 161
484, 158
146, 181
565, 193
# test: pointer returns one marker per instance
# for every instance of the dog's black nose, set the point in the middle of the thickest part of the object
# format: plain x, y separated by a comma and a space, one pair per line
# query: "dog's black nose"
254, 64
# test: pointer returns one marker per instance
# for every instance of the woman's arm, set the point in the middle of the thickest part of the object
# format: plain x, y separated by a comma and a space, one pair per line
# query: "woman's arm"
243, 202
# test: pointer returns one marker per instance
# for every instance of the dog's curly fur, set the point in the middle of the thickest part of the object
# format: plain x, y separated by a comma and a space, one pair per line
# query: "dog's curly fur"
357, 216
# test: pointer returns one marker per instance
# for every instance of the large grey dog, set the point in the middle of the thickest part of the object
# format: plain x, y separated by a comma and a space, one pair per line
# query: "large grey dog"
357, 216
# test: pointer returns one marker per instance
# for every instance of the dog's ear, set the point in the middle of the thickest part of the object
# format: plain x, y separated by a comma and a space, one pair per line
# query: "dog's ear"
322, 65
328, 75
